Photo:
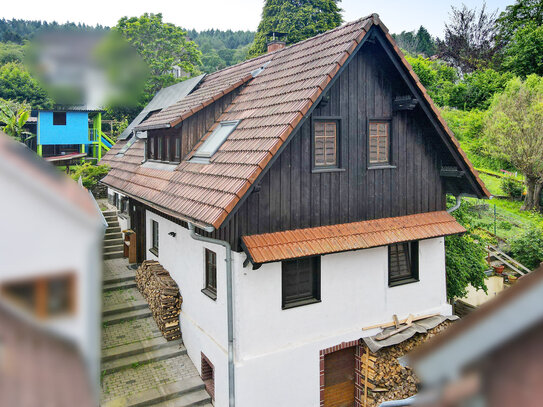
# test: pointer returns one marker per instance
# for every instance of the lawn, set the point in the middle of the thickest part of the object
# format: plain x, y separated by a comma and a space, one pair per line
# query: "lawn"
492, 183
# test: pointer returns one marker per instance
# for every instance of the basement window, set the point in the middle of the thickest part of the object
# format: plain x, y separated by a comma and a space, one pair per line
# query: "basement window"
215, 140
301, 282
59, 118
403, 263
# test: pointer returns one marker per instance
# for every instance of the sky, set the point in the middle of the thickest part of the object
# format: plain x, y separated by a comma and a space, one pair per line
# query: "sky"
398, 15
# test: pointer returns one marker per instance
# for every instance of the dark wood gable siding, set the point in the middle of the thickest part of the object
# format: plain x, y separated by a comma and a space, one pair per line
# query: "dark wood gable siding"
291, 195
193, 128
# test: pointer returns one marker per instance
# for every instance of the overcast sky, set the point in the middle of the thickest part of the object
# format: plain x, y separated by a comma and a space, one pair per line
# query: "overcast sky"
398, 15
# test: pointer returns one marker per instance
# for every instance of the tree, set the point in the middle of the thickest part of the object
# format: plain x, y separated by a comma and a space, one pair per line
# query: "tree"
523, 55
13, 116
469, 42
514, 130
161, 45
517, 16
436, 76
17, 84
528, 248
299, 19
425, 43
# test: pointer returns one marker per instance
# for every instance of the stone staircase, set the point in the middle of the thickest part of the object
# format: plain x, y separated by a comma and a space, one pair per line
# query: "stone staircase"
113, 239
139, 367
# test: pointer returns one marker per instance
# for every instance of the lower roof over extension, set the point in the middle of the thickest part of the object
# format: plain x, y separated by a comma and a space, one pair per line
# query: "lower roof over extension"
292, 244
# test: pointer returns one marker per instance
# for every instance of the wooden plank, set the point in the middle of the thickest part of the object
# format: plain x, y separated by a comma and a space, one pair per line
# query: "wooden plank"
402, 321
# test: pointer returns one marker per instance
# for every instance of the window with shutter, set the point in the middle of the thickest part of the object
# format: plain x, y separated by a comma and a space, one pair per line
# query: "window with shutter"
210, 288
403, 259
325, 143
379, 142
301, 282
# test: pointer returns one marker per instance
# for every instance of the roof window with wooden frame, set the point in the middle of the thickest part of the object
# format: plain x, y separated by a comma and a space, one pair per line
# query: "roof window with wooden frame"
403, 263
326, 132
214, 141
210, 264
44, 296
301, 282
379, 143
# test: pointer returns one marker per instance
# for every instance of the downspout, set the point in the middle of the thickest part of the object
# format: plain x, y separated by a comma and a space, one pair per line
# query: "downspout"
229, 304
457, 204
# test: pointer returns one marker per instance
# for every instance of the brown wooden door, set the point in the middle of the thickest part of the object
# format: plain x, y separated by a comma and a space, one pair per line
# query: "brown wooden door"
339, 378
137, 222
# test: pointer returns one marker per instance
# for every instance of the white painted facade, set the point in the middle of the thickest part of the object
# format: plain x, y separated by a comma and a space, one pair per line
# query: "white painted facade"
46, 235
276, 350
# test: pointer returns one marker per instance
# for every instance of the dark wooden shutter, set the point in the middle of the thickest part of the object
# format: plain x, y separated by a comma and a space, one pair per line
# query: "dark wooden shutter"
325, 143
379, 143
301, 280
402, 261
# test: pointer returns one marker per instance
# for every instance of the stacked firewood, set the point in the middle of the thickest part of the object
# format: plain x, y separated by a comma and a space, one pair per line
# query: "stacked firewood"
162, 294
387, 379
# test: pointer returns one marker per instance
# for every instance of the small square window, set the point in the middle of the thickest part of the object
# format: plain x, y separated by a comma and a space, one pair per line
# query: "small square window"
59, 118
210, 288
325, 143
403, 263
379, 142
154, 245
300, 282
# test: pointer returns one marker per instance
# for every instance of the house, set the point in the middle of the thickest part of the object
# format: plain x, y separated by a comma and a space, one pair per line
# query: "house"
66, 135
50, 271
296, 198
491, 357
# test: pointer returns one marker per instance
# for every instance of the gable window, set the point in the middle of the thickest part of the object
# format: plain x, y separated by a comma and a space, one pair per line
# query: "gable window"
154, 238
210, 288
44, 297
215, 140
59, 118
403, 263
325, 143
177, 149
379, 142
301, 283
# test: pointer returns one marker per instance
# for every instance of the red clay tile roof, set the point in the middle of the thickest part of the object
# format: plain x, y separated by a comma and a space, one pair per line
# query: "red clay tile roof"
297, 243
269, 106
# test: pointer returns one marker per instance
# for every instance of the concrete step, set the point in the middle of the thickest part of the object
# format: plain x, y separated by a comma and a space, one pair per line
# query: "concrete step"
114, 255
109, 212
112, 239
198, 398
119, 285
112, 223
119, 278
186, 392
125, 307
163, 353
113, 248
126, 316
113, 229
144, 347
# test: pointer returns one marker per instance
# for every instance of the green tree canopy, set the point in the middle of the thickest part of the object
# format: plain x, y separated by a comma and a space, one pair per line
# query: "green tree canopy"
299, 19
17, 84
517, 16
161, 45
13, 116
514, 131
436, 76
415, 43
524, 53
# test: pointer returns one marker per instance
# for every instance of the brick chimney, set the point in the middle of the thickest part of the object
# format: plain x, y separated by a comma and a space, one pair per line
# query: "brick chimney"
274, 42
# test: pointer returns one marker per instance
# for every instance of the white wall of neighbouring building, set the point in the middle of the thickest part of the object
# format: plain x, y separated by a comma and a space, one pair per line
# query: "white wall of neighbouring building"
279, 349
47, 236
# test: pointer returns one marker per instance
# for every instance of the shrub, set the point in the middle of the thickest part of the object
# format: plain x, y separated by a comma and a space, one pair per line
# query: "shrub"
528, 248
512, 187
90, 174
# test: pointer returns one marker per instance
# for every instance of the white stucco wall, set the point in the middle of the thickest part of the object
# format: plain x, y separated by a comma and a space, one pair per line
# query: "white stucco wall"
276, 350
43, 236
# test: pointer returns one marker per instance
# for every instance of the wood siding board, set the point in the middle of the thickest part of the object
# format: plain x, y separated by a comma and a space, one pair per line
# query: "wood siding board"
285, 209
350, 92
305, 168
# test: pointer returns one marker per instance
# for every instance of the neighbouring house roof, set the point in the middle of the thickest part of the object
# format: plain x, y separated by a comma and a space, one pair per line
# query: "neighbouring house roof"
493, 324
292, 244
164, 98
19, 158
38, 368
271, 105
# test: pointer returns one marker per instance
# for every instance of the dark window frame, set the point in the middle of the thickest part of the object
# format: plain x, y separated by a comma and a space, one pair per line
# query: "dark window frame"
59, 118
176, 150
313, 265
338, 165
210, 274
390, 162
413, 253
154, 237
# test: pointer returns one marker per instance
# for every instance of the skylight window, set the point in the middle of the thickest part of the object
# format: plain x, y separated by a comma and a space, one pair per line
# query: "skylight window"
216, 139
127, 146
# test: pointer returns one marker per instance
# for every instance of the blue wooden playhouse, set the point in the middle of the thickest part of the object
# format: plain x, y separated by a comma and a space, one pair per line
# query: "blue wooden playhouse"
71, 133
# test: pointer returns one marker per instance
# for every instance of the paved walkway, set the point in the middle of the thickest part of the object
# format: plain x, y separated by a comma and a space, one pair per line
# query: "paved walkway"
138, 365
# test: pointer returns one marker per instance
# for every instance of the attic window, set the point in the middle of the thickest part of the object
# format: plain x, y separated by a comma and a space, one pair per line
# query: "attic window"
59, 118
128, 144
215, 140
